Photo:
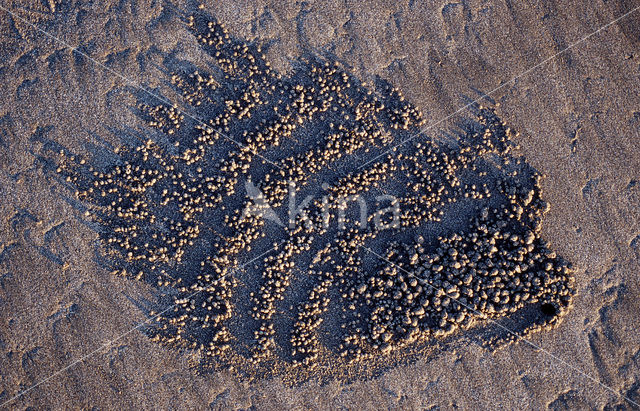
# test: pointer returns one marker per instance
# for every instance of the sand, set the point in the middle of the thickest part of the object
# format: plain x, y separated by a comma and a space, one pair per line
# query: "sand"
578, 119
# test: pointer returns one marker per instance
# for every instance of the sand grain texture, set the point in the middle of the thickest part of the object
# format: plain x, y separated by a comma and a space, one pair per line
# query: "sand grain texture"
578, 116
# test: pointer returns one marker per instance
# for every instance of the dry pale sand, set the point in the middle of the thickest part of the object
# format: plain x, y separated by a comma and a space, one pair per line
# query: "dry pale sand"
574, 100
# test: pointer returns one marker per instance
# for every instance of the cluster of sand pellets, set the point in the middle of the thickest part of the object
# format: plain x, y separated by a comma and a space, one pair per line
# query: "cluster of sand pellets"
449, 235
